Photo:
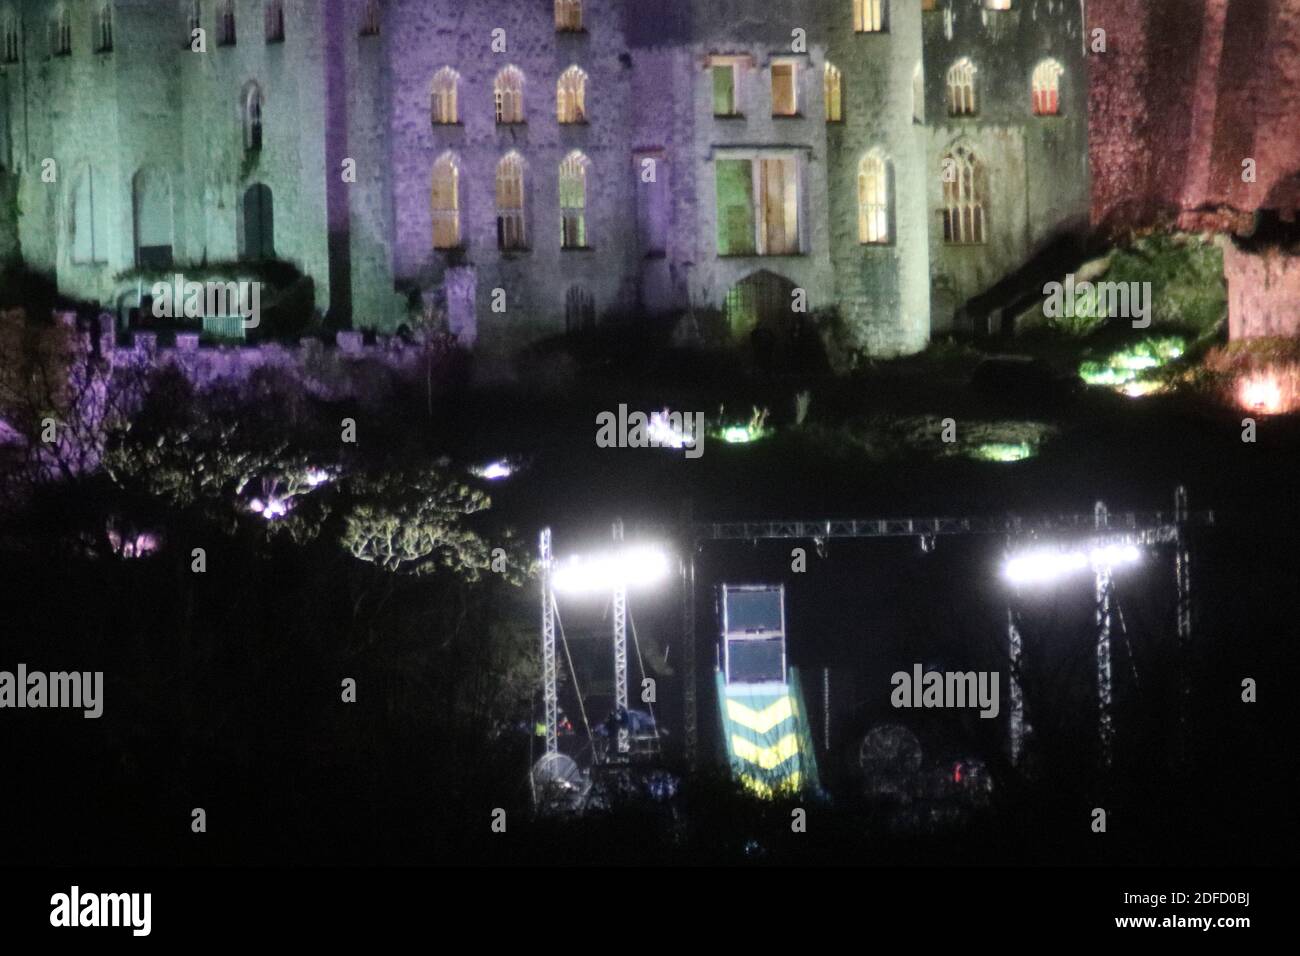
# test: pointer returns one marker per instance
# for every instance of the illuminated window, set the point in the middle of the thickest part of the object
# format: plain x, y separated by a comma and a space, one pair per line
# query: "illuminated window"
61, 32
9, 43
444, 97
778, 213
371, 19
997, 4
274, 13
785, 89
833, 91
104, 29
1047, 88
568, 16
253, 118
873, 198
571, 96
963, 198
226, 23
446, 202
961, 88
511, 232
573, 201
869, 16
508, 90
758, 206
725, 72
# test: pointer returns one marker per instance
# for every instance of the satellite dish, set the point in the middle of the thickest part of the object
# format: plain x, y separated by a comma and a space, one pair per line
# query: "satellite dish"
558, 783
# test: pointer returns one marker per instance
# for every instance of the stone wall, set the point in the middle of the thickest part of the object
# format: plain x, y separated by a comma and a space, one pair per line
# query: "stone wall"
1263, 291
1185, 92
153, 107
348, 370
1037, 167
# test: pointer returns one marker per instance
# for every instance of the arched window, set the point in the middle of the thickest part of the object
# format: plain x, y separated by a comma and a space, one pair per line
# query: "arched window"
103, 39
274, 12
571, 96
1047, 88
508, 90
252, 111
259, 223
573, 201
9, 41
510, 202
88, 218
446, 202
568, 16
226, 23
444, 97
869, 16
61, 32
833, 88
873, 198
371, 17
963, 197
961, 88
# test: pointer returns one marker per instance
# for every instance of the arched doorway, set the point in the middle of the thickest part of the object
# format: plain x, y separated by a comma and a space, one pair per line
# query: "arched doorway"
259, 223
761, 300
152, 205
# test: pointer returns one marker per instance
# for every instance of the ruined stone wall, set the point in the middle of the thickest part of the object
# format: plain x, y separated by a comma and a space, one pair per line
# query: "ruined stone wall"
152, 106
1036, 168
760, 31
332, 95
1263, 292
535, 282
882, 290
1187, 90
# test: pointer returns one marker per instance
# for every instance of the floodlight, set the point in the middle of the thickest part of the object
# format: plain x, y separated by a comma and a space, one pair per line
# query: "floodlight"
494, 470
662, 432
1047, 564
271, 509
634, 567
1262, 394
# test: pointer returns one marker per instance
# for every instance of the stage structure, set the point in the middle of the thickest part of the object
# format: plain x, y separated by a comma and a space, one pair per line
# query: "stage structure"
1100, 541
764, 719
613, 572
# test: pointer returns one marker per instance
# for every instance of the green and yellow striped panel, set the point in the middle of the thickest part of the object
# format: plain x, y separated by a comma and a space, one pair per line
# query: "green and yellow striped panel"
767, 735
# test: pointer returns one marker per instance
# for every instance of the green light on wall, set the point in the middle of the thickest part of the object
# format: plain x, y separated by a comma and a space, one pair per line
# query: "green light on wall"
1002, 451
756, 429
1121, 369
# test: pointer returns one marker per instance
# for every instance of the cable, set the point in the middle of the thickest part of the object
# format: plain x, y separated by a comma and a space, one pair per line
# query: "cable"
636, 642
582, 707
1128, 644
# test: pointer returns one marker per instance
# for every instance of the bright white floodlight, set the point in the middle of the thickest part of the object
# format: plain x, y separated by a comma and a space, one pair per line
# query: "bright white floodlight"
630, 568
1047, 564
